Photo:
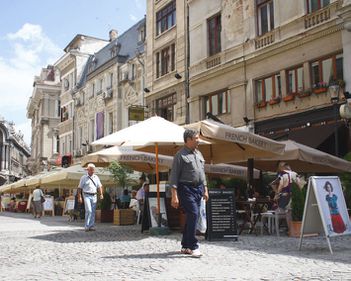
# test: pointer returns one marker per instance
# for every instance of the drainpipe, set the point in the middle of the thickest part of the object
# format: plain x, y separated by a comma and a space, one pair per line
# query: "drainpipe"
187, 64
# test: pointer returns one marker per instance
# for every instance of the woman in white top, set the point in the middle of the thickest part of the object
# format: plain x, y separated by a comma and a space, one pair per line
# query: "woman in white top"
37, 205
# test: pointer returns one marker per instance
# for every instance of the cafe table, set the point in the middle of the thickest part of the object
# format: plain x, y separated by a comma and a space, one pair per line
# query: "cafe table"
252, 210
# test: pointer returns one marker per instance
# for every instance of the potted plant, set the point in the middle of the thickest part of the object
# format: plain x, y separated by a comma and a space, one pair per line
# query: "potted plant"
289, 97
261, 104
106, 211
274, 100
320, 87
121, 176
345, 179
304, 93
297, 209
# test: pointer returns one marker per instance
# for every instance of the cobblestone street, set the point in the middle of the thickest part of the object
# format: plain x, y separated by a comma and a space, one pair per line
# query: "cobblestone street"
53, 249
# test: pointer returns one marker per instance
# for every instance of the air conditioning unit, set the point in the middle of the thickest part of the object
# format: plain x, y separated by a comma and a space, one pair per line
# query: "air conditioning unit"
107, 95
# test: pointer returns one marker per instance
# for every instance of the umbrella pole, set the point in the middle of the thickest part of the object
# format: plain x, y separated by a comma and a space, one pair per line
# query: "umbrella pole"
158, 189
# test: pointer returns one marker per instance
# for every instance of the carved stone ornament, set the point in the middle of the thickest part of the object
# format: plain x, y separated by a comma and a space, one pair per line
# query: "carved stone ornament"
130, 95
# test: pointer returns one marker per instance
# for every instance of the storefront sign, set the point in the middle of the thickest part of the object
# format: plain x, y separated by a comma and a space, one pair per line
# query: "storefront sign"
136, 113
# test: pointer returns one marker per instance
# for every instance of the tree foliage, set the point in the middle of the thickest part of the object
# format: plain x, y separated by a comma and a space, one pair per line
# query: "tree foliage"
120, 173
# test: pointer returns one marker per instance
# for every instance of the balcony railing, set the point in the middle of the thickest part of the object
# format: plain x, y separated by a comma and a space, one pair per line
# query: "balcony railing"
213, 61
265, 40
317, 17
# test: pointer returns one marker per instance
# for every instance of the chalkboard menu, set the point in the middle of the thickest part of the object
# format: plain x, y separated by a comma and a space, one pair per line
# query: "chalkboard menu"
221, 215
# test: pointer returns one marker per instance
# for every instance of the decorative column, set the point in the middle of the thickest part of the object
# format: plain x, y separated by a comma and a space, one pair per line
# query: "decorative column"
345, 15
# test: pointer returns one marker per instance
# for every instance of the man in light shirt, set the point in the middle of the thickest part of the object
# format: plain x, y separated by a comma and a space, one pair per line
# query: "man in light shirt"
89, 186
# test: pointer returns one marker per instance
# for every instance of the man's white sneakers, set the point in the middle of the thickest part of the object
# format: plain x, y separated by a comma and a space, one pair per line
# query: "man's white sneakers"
196, 253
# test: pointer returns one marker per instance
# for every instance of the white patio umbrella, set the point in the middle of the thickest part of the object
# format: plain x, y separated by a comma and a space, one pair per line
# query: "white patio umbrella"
153, 132
70, 176
303, 158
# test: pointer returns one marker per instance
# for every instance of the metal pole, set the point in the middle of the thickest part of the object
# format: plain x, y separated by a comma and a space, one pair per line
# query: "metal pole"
336, 136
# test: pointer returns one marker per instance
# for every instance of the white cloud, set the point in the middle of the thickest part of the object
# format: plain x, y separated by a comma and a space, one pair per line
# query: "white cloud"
30, 50
133, 18
26, 130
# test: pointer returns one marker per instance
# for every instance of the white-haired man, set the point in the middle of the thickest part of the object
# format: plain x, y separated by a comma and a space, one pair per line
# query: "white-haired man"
89, 185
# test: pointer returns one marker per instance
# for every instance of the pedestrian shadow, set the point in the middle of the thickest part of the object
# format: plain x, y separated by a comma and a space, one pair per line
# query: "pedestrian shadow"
79, 236
165, 255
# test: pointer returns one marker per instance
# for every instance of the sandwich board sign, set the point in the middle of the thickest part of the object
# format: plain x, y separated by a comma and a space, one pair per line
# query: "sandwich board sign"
325, 209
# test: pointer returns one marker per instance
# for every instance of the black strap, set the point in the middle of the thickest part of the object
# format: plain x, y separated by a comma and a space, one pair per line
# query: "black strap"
92, 181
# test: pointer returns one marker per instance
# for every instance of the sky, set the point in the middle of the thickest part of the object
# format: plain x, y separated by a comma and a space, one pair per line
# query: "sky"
33, 34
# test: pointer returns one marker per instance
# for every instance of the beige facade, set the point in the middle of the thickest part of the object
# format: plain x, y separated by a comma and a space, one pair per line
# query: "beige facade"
113, 85
71, 66
166, 59
14, 153
268, 76
44, 110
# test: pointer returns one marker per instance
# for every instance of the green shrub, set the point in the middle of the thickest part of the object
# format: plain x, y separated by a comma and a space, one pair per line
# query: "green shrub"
297, 202
106, 202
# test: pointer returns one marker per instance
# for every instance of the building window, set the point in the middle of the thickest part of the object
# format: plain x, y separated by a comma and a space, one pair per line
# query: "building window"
165, 107
100, 125
111, 80
91, 130
326, 70
110, 123
166, 18
314, 5
214, 35
268, 88
217, 103
265, 16
165, 61
295, 82
57, 148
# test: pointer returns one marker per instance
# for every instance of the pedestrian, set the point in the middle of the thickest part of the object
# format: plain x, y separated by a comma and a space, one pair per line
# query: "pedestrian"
89, 185
37, 202
188, 186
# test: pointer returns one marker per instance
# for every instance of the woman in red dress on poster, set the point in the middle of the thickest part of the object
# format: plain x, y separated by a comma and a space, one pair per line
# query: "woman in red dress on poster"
336, 219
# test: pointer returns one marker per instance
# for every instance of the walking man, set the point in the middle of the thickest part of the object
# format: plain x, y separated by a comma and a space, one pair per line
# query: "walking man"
89, 185
189, 185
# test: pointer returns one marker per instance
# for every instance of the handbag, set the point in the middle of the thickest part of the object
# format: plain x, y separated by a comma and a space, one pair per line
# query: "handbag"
42, 199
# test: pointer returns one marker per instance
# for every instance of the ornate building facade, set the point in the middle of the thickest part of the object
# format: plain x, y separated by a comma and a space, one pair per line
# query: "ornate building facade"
110, 88
279, 67
44, 109
14, 153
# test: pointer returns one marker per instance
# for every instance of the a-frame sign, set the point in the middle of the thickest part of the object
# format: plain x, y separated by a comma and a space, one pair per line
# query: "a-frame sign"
325, 209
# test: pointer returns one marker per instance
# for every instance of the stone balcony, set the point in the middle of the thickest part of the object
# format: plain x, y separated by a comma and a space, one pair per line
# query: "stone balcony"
317, 17
265, 40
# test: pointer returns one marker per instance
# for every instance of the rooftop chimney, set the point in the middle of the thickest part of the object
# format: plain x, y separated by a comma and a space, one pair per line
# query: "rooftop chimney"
113, 34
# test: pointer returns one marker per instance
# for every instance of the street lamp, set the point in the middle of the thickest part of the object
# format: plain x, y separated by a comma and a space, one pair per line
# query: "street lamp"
334, 90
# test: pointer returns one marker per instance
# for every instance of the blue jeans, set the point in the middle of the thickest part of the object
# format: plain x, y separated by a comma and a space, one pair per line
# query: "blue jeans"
90, 207
190, 198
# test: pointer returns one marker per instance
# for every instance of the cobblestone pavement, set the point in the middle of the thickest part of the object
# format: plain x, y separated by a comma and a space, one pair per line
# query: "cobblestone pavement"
53, 249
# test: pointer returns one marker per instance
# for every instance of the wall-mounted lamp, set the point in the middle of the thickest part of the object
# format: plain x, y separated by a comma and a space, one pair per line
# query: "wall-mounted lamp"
246, 120
178, 76
146, 90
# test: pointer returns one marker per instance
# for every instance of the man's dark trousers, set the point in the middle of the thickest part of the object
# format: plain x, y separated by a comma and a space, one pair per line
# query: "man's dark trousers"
190, 198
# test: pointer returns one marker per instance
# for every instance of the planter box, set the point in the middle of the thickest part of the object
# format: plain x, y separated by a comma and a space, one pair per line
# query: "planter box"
295, 229
123, 216
289, 98
97, 215
107, 216
320, 90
